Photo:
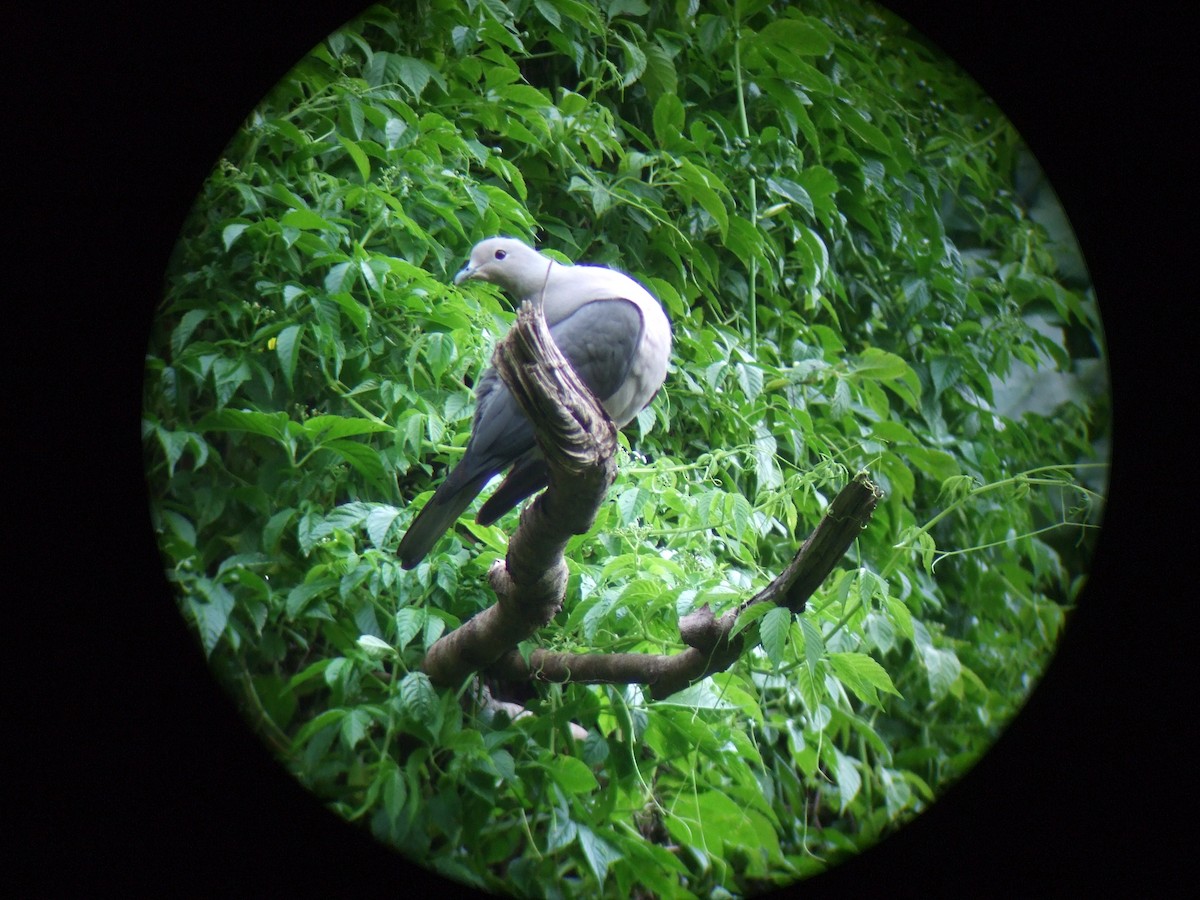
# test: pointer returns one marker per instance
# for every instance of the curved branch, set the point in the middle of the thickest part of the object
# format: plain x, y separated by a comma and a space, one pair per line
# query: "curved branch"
579, 442
712, 647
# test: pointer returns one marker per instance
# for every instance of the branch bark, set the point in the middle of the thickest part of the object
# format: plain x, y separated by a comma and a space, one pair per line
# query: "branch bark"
579, 442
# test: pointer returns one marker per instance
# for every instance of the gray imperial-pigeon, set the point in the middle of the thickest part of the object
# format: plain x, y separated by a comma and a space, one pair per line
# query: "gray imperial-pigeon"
612, 331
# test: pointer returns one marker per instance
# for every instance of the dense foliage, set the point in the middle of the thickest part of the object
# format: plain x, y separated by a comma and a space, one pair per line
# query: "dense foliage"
863, 270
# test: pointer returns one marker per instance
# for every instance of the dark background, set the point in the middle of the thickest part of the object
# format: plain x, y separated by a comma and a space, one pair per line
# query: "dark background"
135, 774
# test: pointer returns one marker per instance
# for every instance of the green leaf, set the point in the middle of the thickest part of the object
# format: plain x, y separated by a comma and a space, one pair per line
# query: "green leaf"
306, 219
775, 628
863, 675
598, 852
668, 120
796, 36
418, 698
701, 695
186, 327
287, 347
792, 191
211, 613
357, 157
943, 669
847, 778
301, 596
750, 378
900, 616
363, 458
440, 353
749, 616
572, 775
630, 504
379, 523
866, 132
409, 622
700, 185
375, 647
523, 95
322, 429
354, 727
814, 644
635, 61
272, 425
231, 233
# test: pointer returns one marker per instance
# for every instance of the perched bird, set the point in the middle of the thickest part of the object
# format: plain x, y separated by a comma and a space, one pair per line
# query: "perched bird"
612, 331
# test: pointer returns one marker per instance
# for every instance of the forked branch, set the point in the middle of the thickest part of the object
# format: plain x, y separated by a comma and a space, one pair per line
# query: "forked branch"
579, 442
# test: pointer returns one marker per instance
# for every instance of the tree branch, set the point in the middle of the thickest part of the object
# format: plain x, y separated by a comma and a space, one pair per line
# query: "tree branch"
710, 645
579, 442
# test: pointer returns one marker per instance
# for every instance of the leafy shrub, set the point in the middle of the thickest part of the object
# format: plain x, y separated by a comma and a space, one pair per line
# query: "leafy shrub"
864, 269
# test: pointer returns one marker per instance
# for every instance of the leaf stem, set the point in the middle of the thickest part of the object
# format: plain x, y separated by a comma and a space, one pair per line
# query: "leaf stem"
744, 126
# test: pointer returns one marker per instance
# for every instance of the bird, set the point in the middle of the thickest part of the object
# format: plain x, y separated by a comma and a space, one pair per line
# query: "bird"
612, 331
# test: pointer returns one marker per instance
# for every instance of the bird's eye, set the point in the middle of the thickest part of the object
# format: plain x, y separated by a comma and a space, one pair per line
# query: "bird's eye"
500, 254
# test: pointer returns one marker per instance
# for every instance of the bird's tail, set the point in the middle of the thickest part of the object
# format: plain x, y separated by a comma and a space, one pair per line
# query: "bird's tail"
443, 508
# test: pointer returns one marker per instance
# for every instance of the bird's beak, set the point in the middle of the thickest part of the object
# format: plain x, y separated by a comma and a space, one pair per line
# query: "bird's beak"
464, 273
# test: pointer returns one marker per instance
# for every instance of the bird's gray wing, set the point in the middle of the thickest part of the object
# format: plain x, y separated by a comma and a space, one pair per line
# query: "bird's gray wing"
500, 433
600, 340
528, 476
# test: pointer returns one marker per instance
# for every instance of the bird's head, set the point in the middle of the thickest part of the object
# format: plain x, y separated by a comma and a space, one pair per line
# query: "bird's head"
509, 263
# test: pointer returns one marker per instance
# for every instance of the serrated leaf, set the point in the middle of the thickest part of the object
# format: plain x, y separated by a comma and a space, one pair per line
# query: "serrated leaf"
814, 644
418, 698
395, 792
630, 503
374, 646
775, 628
598, 852
409, 621
340, 277
900, 616
700, 185
434, 626
847, 778
793, 191
701, 695
269, 424
866, 131
750, 378
329, 427
379, 523
317, 723
943, 669
211, 613
749, 616
863, 675
354, 727
302, 595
